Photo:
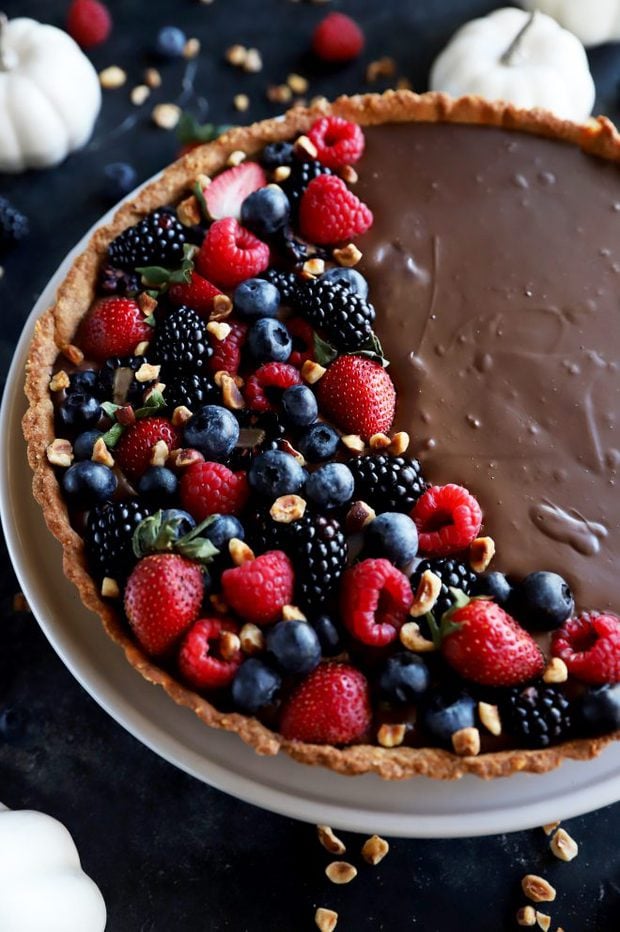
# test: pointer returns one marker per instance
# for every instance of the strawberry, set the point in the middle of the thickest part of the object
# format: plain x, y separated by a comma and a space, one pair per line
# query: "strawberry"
329, 213
114, 327
228, 190
590, 647
331, 706
205, 660
229, 254
258, 590
484, 644
89, 22
337, 38
162, 598
197, 294
135, 448
211, 488
358, 394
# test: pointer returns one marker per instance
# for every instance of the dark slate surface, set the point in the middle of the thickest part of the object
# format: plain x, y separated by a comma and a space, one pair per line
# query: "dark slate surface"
168, 852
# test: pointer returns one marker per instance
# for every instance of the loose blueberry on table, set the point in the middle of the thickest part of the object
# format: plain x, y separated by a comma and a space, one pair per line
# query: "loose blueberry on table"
225, 452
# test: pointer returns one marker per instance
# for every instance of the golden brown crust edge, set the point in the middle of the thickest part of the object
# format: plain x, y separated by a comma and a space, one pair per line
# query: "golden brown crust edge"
58, 325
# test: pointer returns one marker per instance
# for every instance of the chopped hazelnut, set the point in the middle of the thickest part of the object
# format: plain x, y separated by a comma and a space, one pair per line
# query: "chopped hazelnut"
181, 459
73, 353
288, 508
374, 849
147, 303
312, 268
191, 48
110, 588
141, 348
166, 116
181, 415
292, 613
526, 916
379, 442
466, 742
489, 716
358, 516
236, 158
60, 453
160, 453
399, 444
20, 603
229, 644
236, 55
550, 827
353, 442
241, 102
282, 172
340, 872
222, 307
253, 62
348, 174
380, 68
348, 256
147, 373
297, 83
412, 638
305, 146
111, 78
218, 603
481, 552
152, 77
239, 551
231, 396
563, 846
139, 94
556, 671
252, 639
330, 842
188, 211
218, 329
537, 889
279, 93
59, 381
426, 594
543, 920
325, 919
391, 735
311, 372
101, 454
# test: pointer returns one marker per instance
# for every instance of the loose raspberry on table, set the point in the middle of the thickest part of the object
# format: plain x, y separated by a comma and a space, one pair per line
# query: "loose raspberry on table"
89, 22
590, 647
329, 213
227, 353
338, 142
375, 598
135, 448
114, 327
258, 590
337, 38
448, 519
264, 388
200, 660
229, 254
331, 706
211, 489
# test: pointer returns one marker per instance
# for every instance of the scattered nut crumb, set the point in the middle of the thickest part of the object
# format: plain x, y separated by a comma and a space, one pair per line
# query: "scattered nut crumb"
292, 613
556, 671
59, 381
325, 919
218, 603
349, 174
147, 372
139, 94
329, 840
526, 916
353, 442
166, 116
253, 61
239, 551
391, 735
374, 849
489, 716
348, 256
412, 638
399, 444
340, 872
152, 78
288, 508
404, 84
305, 146
537, 889
236, 55
229, 644
181, 415
543, 920
101, 454
311, 371
358, 516
110, 588
160, 453
380, 68
313, 267
191, 48
282, 172
481, 552
252, 639
279, 93
156, 387
188, 211
466, 742
112, 78
236, 158
564, 846
426, 594
218, 329
297, 83
241, 102
379, 442
60, 453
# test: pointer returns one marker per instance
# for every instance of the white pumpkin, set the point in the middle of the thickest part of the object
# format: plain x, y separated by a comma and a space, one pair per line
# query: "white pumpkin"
526, 59
592, 21
42, 885
49, 95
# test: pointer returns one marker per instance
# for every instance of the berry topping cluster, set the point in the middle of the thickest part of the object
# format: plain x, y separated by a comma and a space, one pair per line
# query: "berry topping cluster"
225, 445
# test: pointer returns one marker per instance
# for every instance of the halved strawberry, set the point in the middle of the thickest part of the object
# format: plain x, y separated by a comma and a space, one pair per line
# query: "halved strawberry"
226, 193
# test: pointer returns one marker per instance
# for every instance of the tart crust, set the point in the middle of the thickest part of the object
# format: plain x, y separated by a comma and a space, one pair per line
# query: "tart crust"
57, 327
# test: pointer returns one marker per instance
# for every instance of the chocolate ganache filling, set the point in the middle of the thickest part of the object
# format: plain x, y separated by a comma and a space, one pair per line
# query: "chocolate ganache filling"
494, 264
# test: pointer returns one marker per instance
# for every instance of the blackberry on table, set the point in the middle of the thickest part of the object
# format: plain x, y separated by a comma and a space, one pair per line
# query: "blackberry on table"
13, 224
287, 283
193, 391
387, 483
116, 380
317, 548
158, 239
537, 715
181, 343
452, 573
302, 173
344, 316
108, 537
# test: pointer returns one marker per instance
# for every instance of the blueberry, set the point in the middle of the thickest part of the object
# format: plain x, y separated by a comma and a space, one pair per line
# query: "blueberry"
185, 521
265, 211
495, 585
86, 484
85, 381
119, 179
277, 153
223, 529
543, 601
394, 536
213, 431
276, 473
443, 715
269, 341
598, 710
84, 443
299, 405
350, 278
170, 42
331, 485
256, 298
295, 647
319, 443
79, 411
157, 484
329, 636
404, 678
255, 685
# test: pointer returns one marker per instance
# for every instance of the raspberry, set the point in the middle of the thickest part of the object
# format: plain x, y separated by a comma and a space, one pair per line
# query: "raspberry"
268, 382
211, 488
590, 647
338, 142
448, 519
375, 598
330, 213
303, 341
200, 657
258, 590
337, 38
331, 706
227, 353
230, 254
135, 448
89, 22
302, 173
114, 327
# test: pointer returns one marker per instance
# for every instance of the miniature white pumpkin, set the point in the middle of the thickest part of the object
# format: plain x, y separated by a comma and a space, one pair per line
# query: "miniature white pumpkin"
592, 21
526, 59
49, 95
42, 885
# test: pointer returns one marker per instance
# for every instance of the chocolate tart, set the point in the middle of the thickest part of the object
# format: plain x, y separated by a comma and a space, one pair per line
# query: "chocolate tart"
476, 394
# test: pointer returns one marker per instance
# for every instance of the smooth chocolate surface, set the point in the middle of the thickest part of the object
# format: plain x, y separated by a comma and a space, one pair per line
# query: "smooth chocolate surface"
494, 265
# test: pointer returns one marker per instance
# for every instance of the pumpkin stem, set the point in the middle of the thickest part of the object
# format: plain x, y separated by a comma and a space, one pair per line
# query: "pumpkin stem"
508, 58
8, 58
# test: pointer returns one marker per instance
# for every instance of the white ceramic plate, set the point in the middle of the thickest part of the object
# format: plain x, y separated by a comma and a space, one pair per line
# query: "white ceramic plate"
415, 808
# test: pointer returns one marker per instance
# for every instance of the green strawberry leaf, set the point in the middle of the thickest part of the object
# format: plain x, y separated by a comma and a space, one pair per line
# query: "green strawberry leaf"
190, 130
372, 349
324, 352
110, 408
155, 402
154, 274
156, 535
200, 197
113, 435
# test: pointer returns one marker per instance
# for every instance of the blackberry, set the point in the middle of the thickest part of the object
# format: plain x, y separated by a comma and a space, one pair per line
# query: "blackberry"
108, 537
118, 281
537, 715
345, 317
193, 391
116, 380
13, 224
181, 343
387, 483
452, 574
317, 548
287, 284
302, 173
290, 247
156, 240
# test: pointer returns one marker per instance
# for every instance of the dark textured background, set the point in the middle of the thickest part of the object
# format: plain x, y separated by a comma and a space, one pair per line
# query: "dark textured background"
170, 854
